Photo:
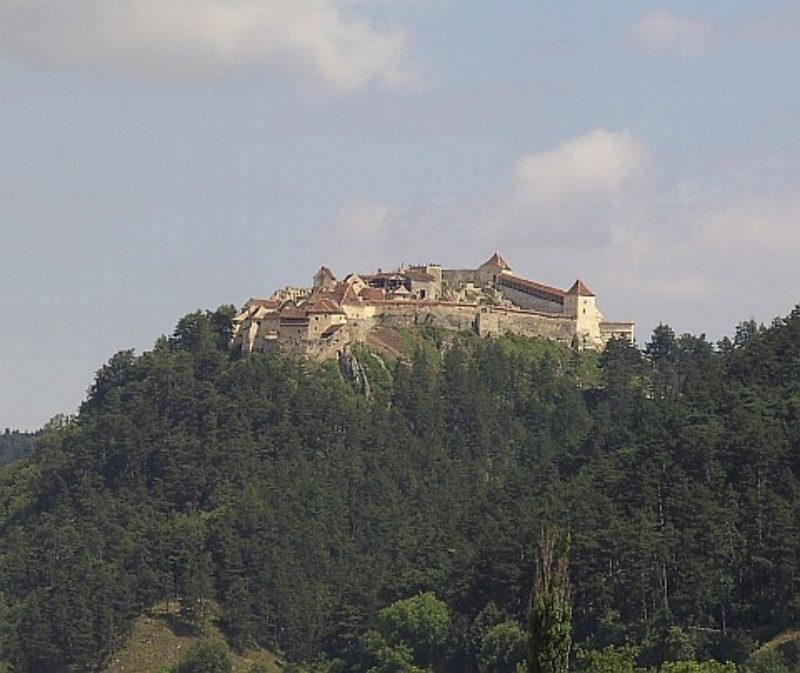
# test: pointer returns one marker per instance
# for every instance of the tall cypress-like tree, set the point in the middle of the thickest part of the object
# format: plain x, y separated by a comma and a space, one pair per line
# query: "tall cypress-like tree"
550, 616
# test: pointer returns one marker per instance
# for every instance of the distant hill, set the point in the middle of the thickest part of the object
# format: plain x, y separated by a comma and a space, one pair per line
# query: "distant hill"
15, 445
303, 497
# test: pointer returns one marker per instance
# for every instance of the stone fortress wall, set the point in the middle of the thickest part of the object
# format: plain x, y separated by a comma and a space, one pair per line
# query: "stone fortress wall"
322, 320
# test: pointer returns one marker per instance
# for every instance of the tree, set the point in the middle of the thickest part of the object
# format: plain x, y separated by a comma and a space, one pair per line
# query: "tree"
608, 660
662, 346
207, 656
771, 661
550, 617
502, 649
697, 667
421, 622
678, 645
622, 367
396, 659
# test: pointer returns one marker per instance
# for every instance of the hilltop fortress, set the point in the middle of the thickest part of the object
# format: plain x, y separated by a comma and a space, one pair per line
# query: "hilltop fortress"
321, 320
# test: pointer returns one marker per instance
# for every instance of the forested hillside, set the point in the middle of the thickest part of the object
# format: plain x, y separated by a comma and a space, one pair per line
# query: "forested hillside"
14, 445
304, 501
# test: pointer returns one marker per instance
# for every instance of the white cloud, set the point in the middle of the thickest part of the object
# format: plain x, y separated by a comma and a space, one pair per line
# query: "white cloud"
326, 39
572, 195
597, 165
663, 31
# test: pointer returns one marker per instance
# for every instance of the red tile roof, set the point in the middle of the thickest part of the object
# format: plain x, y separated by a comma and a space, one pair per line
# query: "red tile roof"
323, 305
579, 288
293, 313
498, 261
531, 287
349, 296
264, 303
371, 293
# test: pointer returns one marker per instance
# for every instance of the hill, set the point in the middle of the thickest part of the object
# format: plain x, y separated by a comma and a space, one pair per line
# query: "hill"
155, 642
305, 497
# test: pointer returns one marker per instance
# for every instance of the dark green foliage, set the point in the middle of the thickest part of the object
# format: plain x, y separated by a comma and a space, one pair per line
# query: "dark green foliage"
678, 646
697, 667
302, 503
15, 445
421, 623
207, 656
767, 662
503, 649
608, 660
550, 615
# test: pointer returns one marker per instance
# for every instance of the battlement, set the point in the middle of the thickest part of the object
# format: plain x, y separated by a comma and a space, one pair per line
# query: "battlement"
322, 319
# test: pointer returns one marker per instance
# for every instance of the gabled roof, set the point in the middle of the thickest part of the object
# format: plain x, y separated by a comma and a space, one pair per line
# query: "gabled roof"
324, 305
498, 261
532, 287
254, 306
579, 288
349, 296
293, 313
266, 303
325, 271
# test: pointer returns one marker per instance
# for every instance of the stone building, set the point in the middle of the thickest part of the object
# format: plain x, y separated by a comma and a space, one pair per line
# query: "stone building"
324, 279
490, 300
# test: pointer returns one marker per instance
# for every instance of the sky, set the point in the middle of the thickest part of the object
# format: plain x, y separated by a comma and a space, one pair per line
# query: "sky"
163, 156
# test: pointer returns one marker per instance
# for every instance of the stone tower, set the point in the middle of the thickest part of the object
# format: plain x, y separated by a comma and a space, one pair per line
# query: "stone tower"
324, 279
491, 268
580, 303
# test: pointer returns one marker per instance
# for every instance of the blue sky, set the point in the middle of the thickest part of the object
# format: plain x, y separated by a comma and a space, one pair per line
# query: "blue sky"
161, 156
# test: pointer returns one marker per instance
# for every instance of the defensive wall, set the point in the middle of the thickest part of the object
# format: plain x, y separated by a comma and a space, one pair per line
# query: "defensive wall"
450, 315
498, 320
483, 319
459, 276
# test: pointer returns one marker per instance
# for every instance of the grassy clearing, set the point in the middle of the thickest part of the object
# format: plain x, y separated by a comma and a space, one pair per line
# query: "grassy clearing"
155, 642
401, 343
